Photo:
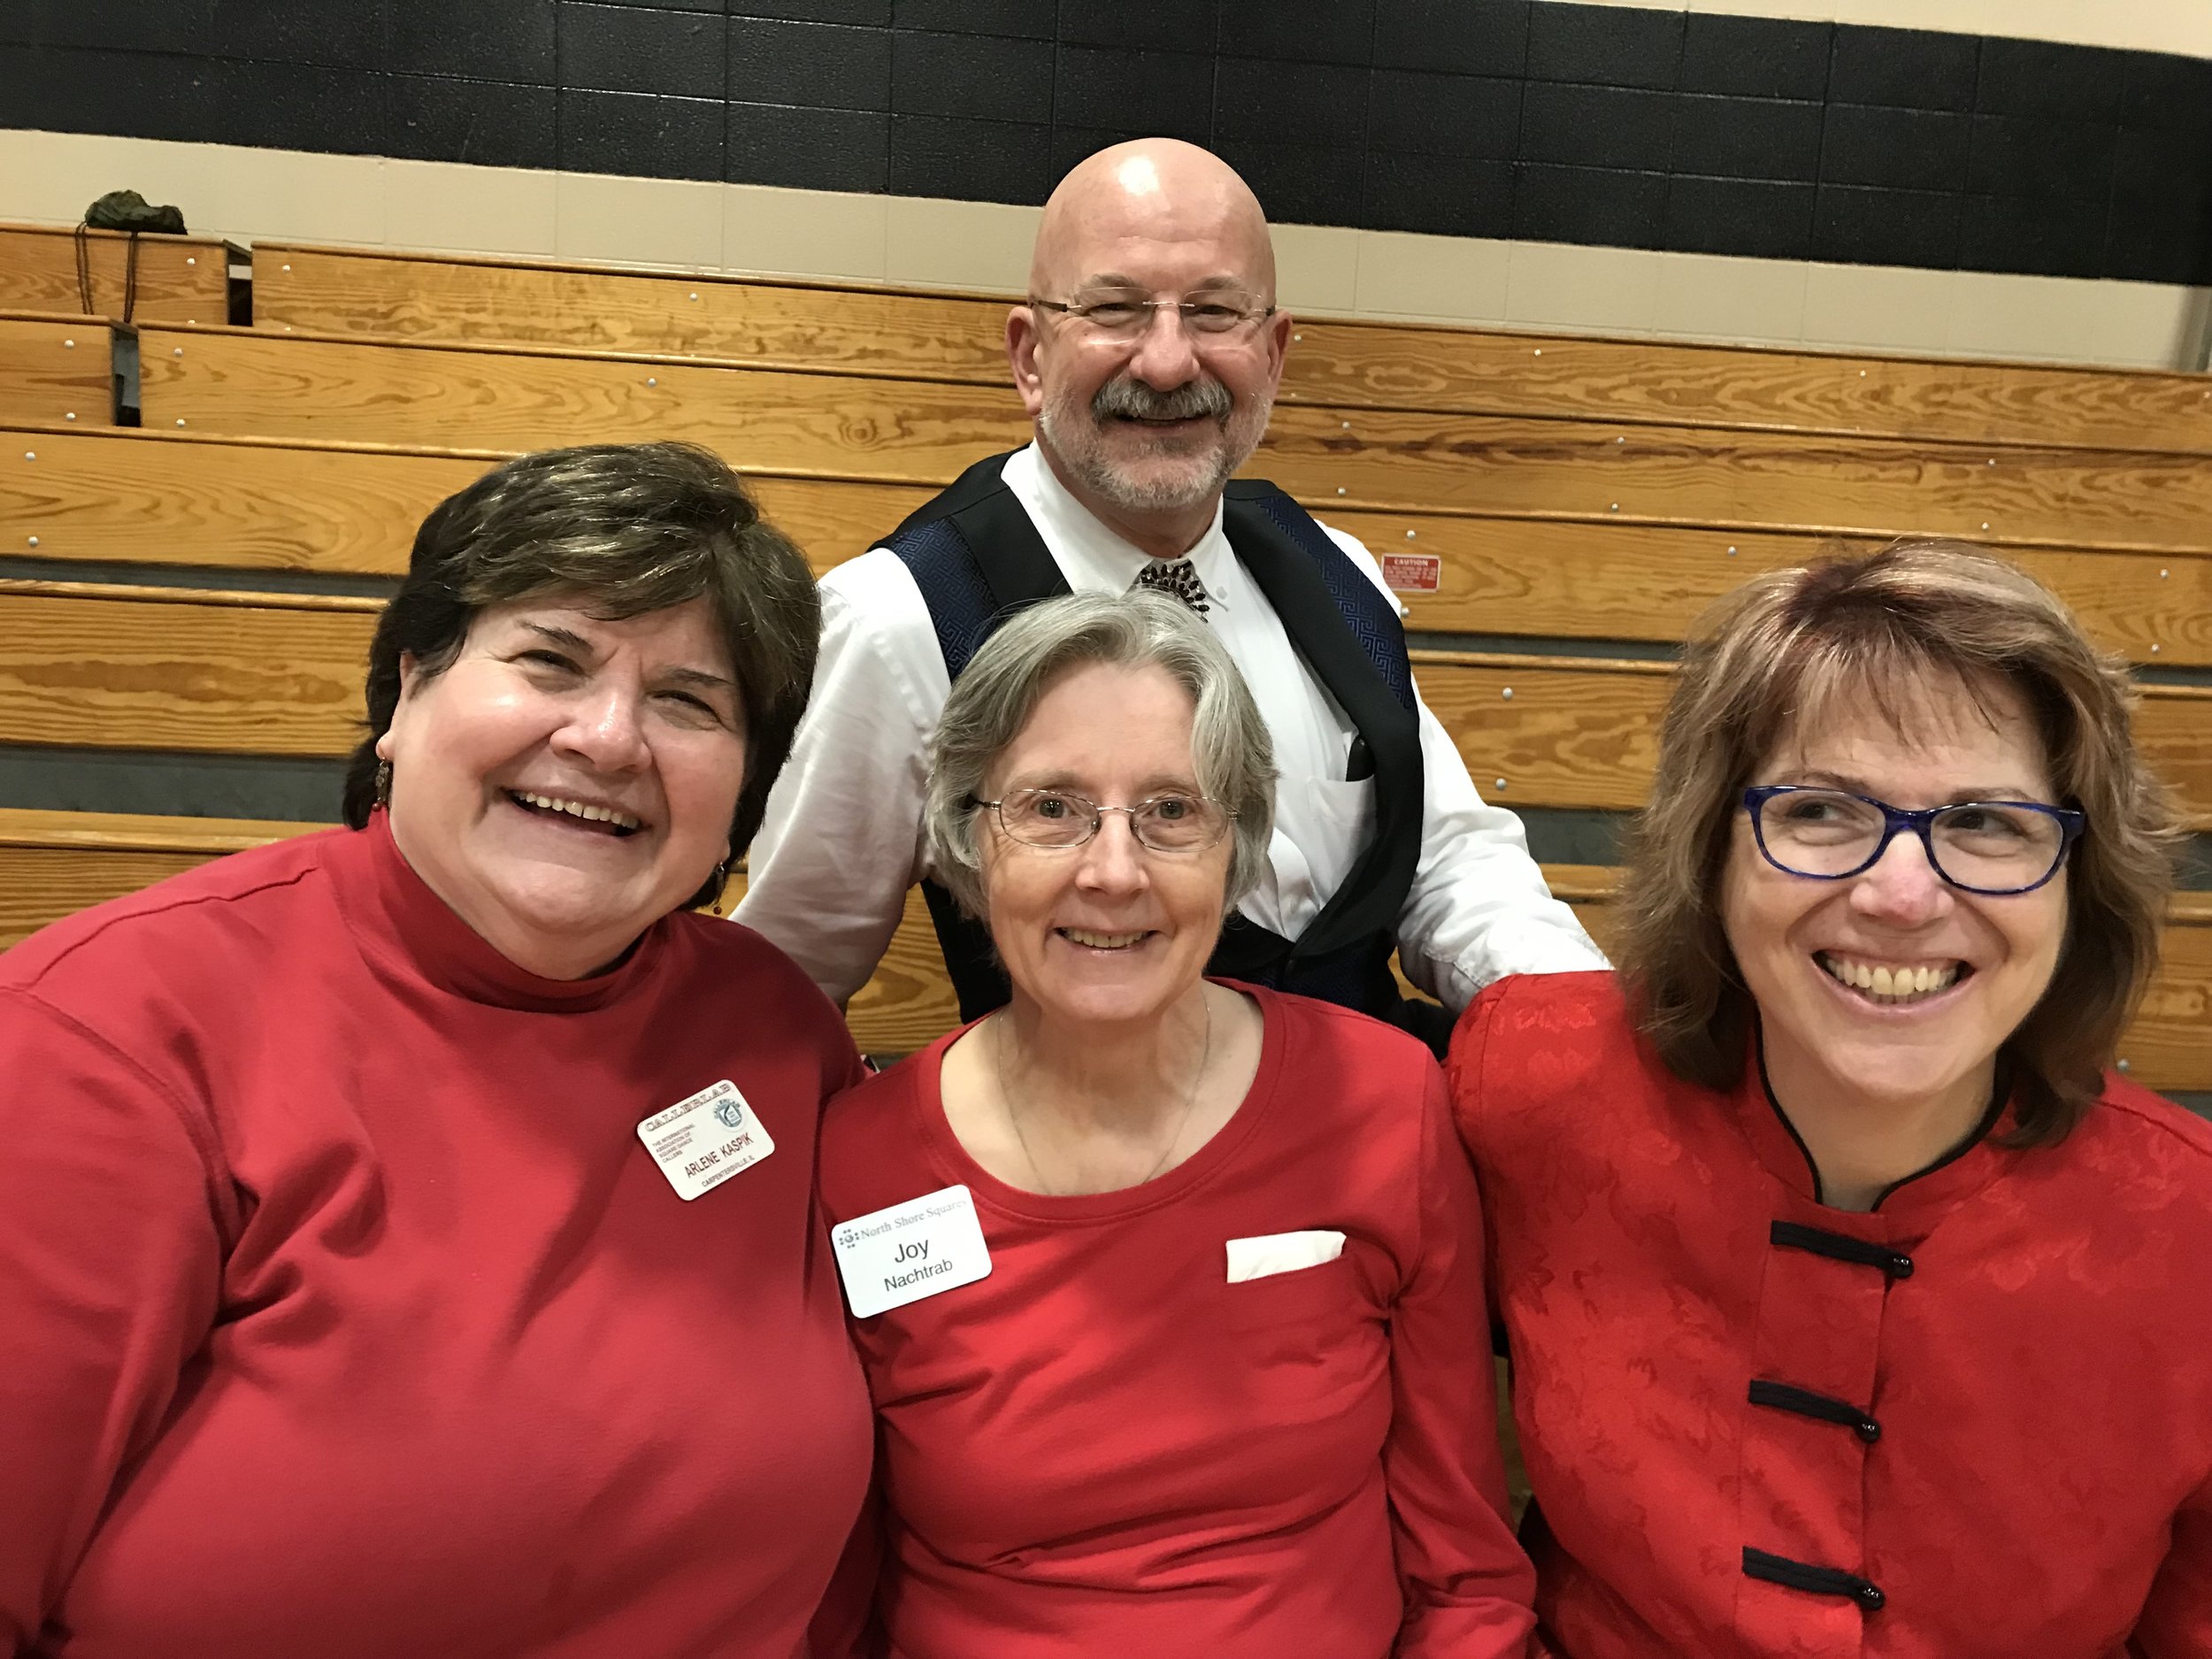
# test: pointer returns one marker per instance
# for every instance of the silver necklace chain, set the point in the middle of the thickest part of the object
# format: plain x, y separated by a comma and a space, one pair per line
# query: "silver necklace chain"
1190, 1102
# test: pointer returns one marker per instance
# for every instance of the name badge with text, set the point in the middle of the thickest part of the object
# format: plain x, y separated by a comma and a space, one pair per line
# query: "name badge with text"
701, 1142
892, 1257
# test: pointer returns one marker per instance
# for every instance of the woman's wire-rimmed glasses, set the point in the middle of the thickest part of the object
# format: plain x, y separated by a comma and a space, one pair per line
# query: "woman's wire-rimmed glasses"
1059, 819
1128, 316
1993, 848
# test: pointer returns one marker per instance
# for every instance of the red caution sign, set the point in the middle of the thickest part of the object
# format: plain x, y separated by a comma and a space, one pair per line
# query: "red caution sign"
1413, 573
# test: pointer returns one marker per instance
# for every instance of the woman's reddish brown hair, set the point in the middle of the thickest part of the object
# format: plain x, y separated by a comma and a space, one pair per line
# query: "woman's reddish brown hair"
1889, 629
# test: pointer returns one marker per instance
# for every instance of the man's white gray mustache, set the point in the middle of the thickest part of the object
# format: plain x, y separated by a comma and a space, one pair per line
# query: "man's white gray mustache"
1125, 397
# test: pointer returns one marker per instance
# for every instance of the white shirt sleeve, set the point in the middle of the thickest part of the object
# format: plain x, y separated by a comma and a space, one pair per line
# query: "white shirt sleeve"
1478, 908
841, 842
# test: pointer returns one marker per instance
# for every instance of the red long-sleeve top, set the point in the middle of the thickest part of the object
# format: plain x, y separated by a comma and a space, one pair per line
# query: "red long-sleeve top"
1973, 1424
344, 1315
1105, 1449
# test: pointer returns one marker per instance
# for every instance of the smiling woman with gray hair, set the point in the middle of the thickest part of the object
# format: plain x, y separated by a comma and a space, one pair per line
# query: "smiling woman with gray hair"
1230, 755
1169, 1290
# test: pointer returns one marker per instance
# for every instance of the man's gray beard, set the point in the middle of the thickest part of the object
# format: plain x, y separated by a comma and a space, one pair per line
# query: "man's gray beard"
1086, 460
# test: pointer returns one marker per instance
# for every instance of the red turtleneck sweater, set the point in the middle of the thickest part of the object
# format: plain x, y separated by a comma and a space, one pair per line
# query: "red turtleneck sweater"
343, 1313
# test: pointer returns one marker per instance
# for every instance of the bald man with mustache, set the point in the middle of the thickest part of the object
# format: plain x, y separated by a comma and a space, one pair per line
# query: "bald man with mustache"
1147, 354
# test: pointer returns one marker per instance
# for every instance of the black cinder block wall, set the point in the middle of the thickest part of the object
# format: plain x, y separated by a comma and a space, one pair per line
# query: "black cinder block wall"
1509, 118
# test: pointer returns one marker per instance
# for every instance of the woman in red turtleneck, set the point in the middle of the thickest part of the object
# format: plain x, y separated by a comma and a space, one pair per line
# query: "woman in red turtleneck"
405, 1231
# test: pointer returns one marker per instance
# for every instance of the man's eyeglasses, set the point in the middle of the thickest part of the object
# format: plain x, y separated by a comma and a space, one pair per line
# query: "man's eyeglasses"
1059, 818
1989, 847
1124, 315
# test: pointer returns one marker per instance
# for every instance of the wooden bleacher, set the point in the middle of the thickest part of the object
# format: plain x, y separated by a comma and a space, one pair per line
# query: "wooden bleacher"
223, 671
179, 278
57, 369
1572, 490
248, 381
306, 504
168, 498
1352, 364
55, 864
800, 325
181, 670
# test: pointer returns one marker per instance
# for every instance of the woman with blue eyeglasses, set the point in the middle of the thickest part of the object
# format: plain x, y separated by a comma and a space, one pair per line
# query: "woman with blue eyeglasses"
1855, 1306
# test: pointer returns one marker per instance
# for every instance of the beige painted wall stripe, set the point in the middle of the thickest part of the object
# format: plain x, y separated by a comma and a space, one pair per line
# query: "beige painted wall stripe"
296, 197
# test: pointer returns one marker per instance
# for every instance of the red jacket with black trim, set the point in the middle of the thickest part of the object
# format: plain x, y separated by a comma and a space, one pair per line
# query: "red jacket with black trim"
1973, 1424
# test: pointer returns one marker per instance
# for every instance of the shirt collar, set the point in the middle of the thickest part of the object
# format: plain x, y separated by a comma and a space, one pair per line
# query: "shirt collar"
1091, 556
413, 933
1907, 1207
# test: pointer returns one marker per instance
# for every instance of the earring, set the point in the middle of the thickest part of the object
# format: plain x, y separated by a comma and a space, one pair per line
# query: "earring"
383, 783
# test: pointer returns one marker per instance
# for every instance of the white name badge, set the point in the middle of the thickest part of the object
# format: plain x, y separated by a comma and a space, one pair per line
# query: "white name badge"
911, 1251
701, 1142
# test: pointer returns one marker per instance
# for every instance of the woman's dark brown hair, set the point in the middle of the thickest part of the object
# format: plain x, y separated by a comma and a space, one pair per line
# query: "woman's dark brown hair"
618, 530
1885, 630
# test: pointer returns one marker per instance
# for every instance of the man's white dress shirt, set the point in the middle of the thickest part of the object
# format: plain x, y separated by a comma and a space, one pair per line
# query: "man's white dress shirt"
841, 842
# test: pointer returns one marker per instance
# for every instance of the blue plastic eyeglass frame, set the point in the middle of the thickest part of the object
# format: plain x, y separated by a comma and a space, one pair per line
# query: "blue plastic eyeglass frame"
2071, 823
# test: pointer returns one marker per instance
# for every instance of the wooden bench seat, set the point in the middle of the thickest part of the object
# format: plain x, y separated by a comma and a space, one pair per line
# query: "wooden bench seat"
2170, 1045
182, 498
126, 495
310, 504
1394, 365
244, 382
181, 670
57, 369
781, 325
1353, 365
54, 863
1741, 480
213, 672
1601, 579
179, 278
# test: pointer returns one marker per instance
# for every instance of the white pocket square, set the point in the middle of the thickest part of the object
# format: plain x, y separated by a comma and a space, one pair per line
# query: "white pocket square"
1281, 1253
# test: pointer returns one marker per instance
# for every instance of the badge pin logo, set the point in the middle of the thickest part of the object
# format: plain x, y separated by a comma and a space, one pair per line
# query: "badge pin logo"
728, 1111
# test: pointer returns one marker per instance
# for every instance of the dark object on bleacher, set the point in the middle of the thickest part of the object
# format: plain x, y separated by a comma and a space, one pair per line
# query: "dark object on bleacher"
124, 210
127, 209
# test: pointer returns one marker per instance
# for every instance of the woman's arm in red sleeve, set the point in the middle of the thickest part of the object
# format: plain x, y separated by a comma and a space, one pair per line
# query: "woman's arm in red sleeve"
1463, 1066
110, 1265
1468, 1586
2177, 1622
